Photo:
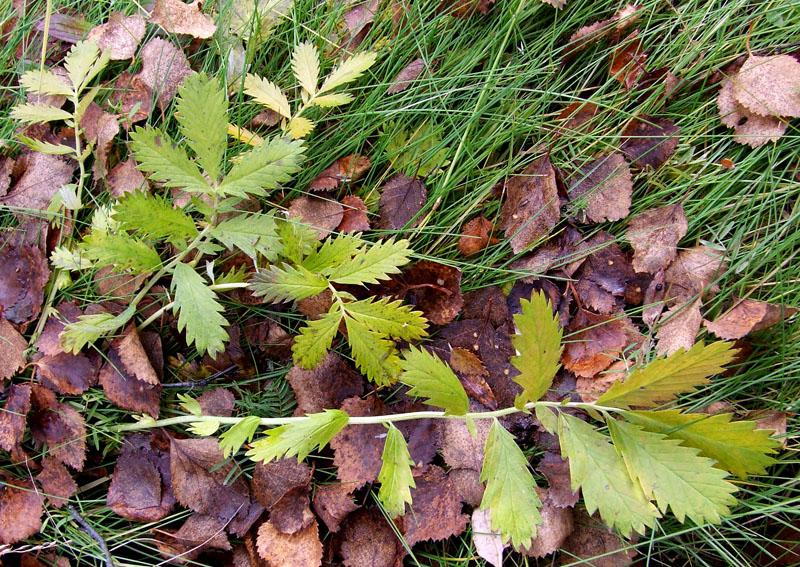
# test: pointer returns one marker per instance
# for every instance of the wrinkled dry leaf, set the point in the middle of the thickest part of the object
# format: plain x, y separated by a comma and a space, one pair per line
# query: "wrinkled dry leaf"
692, 273
594, 543
134, 97
467, 485
333, 503
301, 549
401, 199
100, 129
591, 388
12, 349
531, 208
164, 68
769, 86
747, 316
575, 116
42, 177
56, 482
749, 128
678, 328
20, 509
460, 449
218, 401
476, 235
602, 189
594, 342
327, 386
556, 470
355, 217
175, 16
358, 448
13, 416
488, 543
434, 289
67, 373
436, 509
344, 170
654, 236
324, 214
619, 22
274, 480
292, 513
407, 76
556, 526
60, 426
649, 141
368, 540
119, 36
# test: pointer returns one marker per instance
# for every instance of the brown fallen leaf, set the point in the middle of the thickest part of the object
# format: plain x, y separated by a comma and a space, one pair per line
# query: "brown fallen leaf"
56, 482
556, 470
531, 208
575, 116
769, 86
12, 349
619, 22
436, 509
175, 16
567, 252
654, 236
772, 421
488, 543
591, 388
749, 128
476, 235
333, 503
322, 213
117, 286
67, 373
627, 61
466, 8
20, 509
355, 217
678, 328
358, 448
748, 316
472, 374
407, 76
60, 426
100, 129
368, 540
198, 533
487, 303
301, 549
467, 485
592, 542
435, 289
13, 416
649, 141
119, 36
292, 513
401, 199
141, 486
164, 68
593, 342
344, 170
693, 272
218, 401
272, 481
556, 526
327, 386
460, 449
602, 189
134, 98
42, 175
265, 119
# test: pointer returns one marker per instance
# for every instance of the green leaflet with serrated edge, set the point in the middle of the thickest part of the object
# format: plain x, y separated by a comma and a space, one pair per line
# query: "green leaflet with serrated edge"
395, 475
375, 262
315, 339
166, 162
287, 283
202, 115
299, 438
232, 440
388, 317
429, 377
374, 354
198, 311
153, 216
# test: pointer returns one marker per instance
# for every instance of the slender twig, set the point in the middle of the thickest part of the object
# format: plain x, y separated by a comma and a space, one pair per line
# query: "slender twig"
200, 383
92, 533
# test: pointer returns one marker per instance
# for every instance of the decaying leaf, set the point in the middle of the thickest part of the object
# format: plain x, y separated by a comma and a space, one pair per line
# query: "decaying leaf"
20, 509
275, 480
772, 421
472, 374
436, 509
134, 97
56, 482
619, 22
42, 176
345, 169
693, 272
595, 544
627, 62
654, 236
326, 386
476, 235
60, 426
556, 470
12, 349
556, 526
435, 289
407, 76
678, 328
13, 416
531, 208
358, 448
198, 533
459, 448
100, 128
401, 199
119, 36
333, 503
175, 16
749, 128
355, 217
748, 316
488, 543
324, 214
368, 540
602, 189
468, 485
219, 401
649, 141
769, 86
575, 116
591, 388
300, 549
164, 67
67, 373
593, 343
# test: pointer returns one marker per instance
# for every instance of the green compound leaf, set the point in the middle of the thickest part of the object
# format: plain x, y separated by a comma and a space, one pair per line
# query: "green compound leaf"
333, 253
736, 446
395, 476
596, 468
285, 283
299, 437
510, 493
158, 155
30, 113
314, 340
374, 262
672, 474
663, 378
262, 169
539, 343
153, 216
374, 354
89, 328
198, 311
44, 82
297, 240
232, 440
190, 404
390, 318
121, 251
252, 234
349, 70
429, 377
202, 115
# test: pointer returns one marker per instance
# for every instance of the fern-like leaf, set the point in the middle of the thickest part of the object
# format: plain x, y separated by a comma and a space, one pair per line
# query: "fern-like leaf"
31, 113
299, 127
203, 119
286, 283
349, 70
158, 155
198, 311
315, 339
395, 476
390, 318
153, 216
232, 440
44, 82
305, 65
89, 328
83, 62
374, 354
267, 94
429, 377
300, 437
375, 262
298, 240
263, 168
333, 252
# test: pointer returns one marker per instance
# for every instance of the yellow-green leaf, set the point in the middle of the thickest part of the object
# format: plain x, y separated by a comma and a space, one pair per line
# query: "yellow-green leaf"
198, 311
315, 339
387, 317
31, 113
44, 82
299, 437
374, 354
203, 120
305, 64
267, 94
332, 100
349, 70
300, 127
395, 476
429, 377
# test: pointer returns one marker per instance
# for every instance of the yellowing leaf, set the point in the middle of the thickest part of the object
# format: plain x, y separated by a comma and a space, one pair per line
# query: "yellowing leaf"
156, 154
299, 437
374, 354
388, 317
203, 117
44, 82
672, 474
121, 251
538, 340
596, 468
300, 127
332, 100
395, 476
305, 64
232, 440
267, 94
263, 168
349, 70
429, 377
153, 216
663, 378
375, 262
32, 113
510, 494
244, 135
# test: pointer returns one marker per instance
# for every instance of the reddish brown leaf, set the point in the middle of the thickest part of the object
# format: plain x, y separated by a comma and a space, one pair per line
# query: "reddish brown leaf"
100, 129
134, 97
324, 214
265, 119
178, 17
593, 542
772, 421
343, 170
401, 199
358, 448
327, 386
436, 509
128, 378
487, 303
619, 22
591, 388
556, 470
748, 316
556, 526
368, 540
466, 8
593, 341
435, 289
333, 503
575, 117
118, 286
407, 76
12, 416
60, 426
275, 479
20, 509
12, 349
42, 176
649, 141
119, 36
531, 208
164, 67
567, 251
197, 534
355, 217
654, 236
67, 373
56, 482
218, 401
475, 236
303, 547
472, 374
292, 513
749, 128
468, 485
627, 62
602, 189
316, 306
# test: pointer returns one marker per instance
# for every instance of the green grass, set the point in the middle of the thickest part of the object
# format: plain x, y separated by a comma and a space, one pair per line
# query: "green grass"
496, 91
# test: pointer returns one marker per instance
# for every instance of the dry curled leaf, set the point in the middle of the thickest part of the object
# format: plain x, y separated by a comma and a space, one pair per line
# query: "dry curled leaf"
649, 141
613, 26
654, 236
60, 426
175, 16
595, 544
407, 76
434, 289
678, 328
164, 68
556, 470
300, 549
323, 214
119, 36
602, 189
20, 509
693, 272
12, 349
368, 540
476, 235
329, 384
531, 208
593, 343
627, 62
56, 482
355, 217
749, 128
769, 86
747, 316
39, 179
401, 199
345, 169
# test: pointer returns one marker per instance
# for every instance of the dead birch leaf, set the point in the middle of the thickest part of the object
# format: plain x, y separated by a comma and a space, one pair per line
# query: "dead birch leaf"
56, 482
476, 235
218, 401
769, 86
627, 62
100, 129
13, 416
619, 22
407, 76
693, 272
274, 480
436, 509
602, 189
134, 97
358, 448
591, 388
345, 169
175, 16
20, 509
468, 485
119, 36
575, 116
593, 341
301, 549
654, 236
749, 128
67, 373
368, 540
594, 543
126, 178
401, 199
649, 141
330, 383
556, 470
556, 526
164, 68
772, 421
678, 328
460, 449
12, 349
60, 426
333, 503
323, 214
355, 217
488, 543
42, 177
435, 289
748, 316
